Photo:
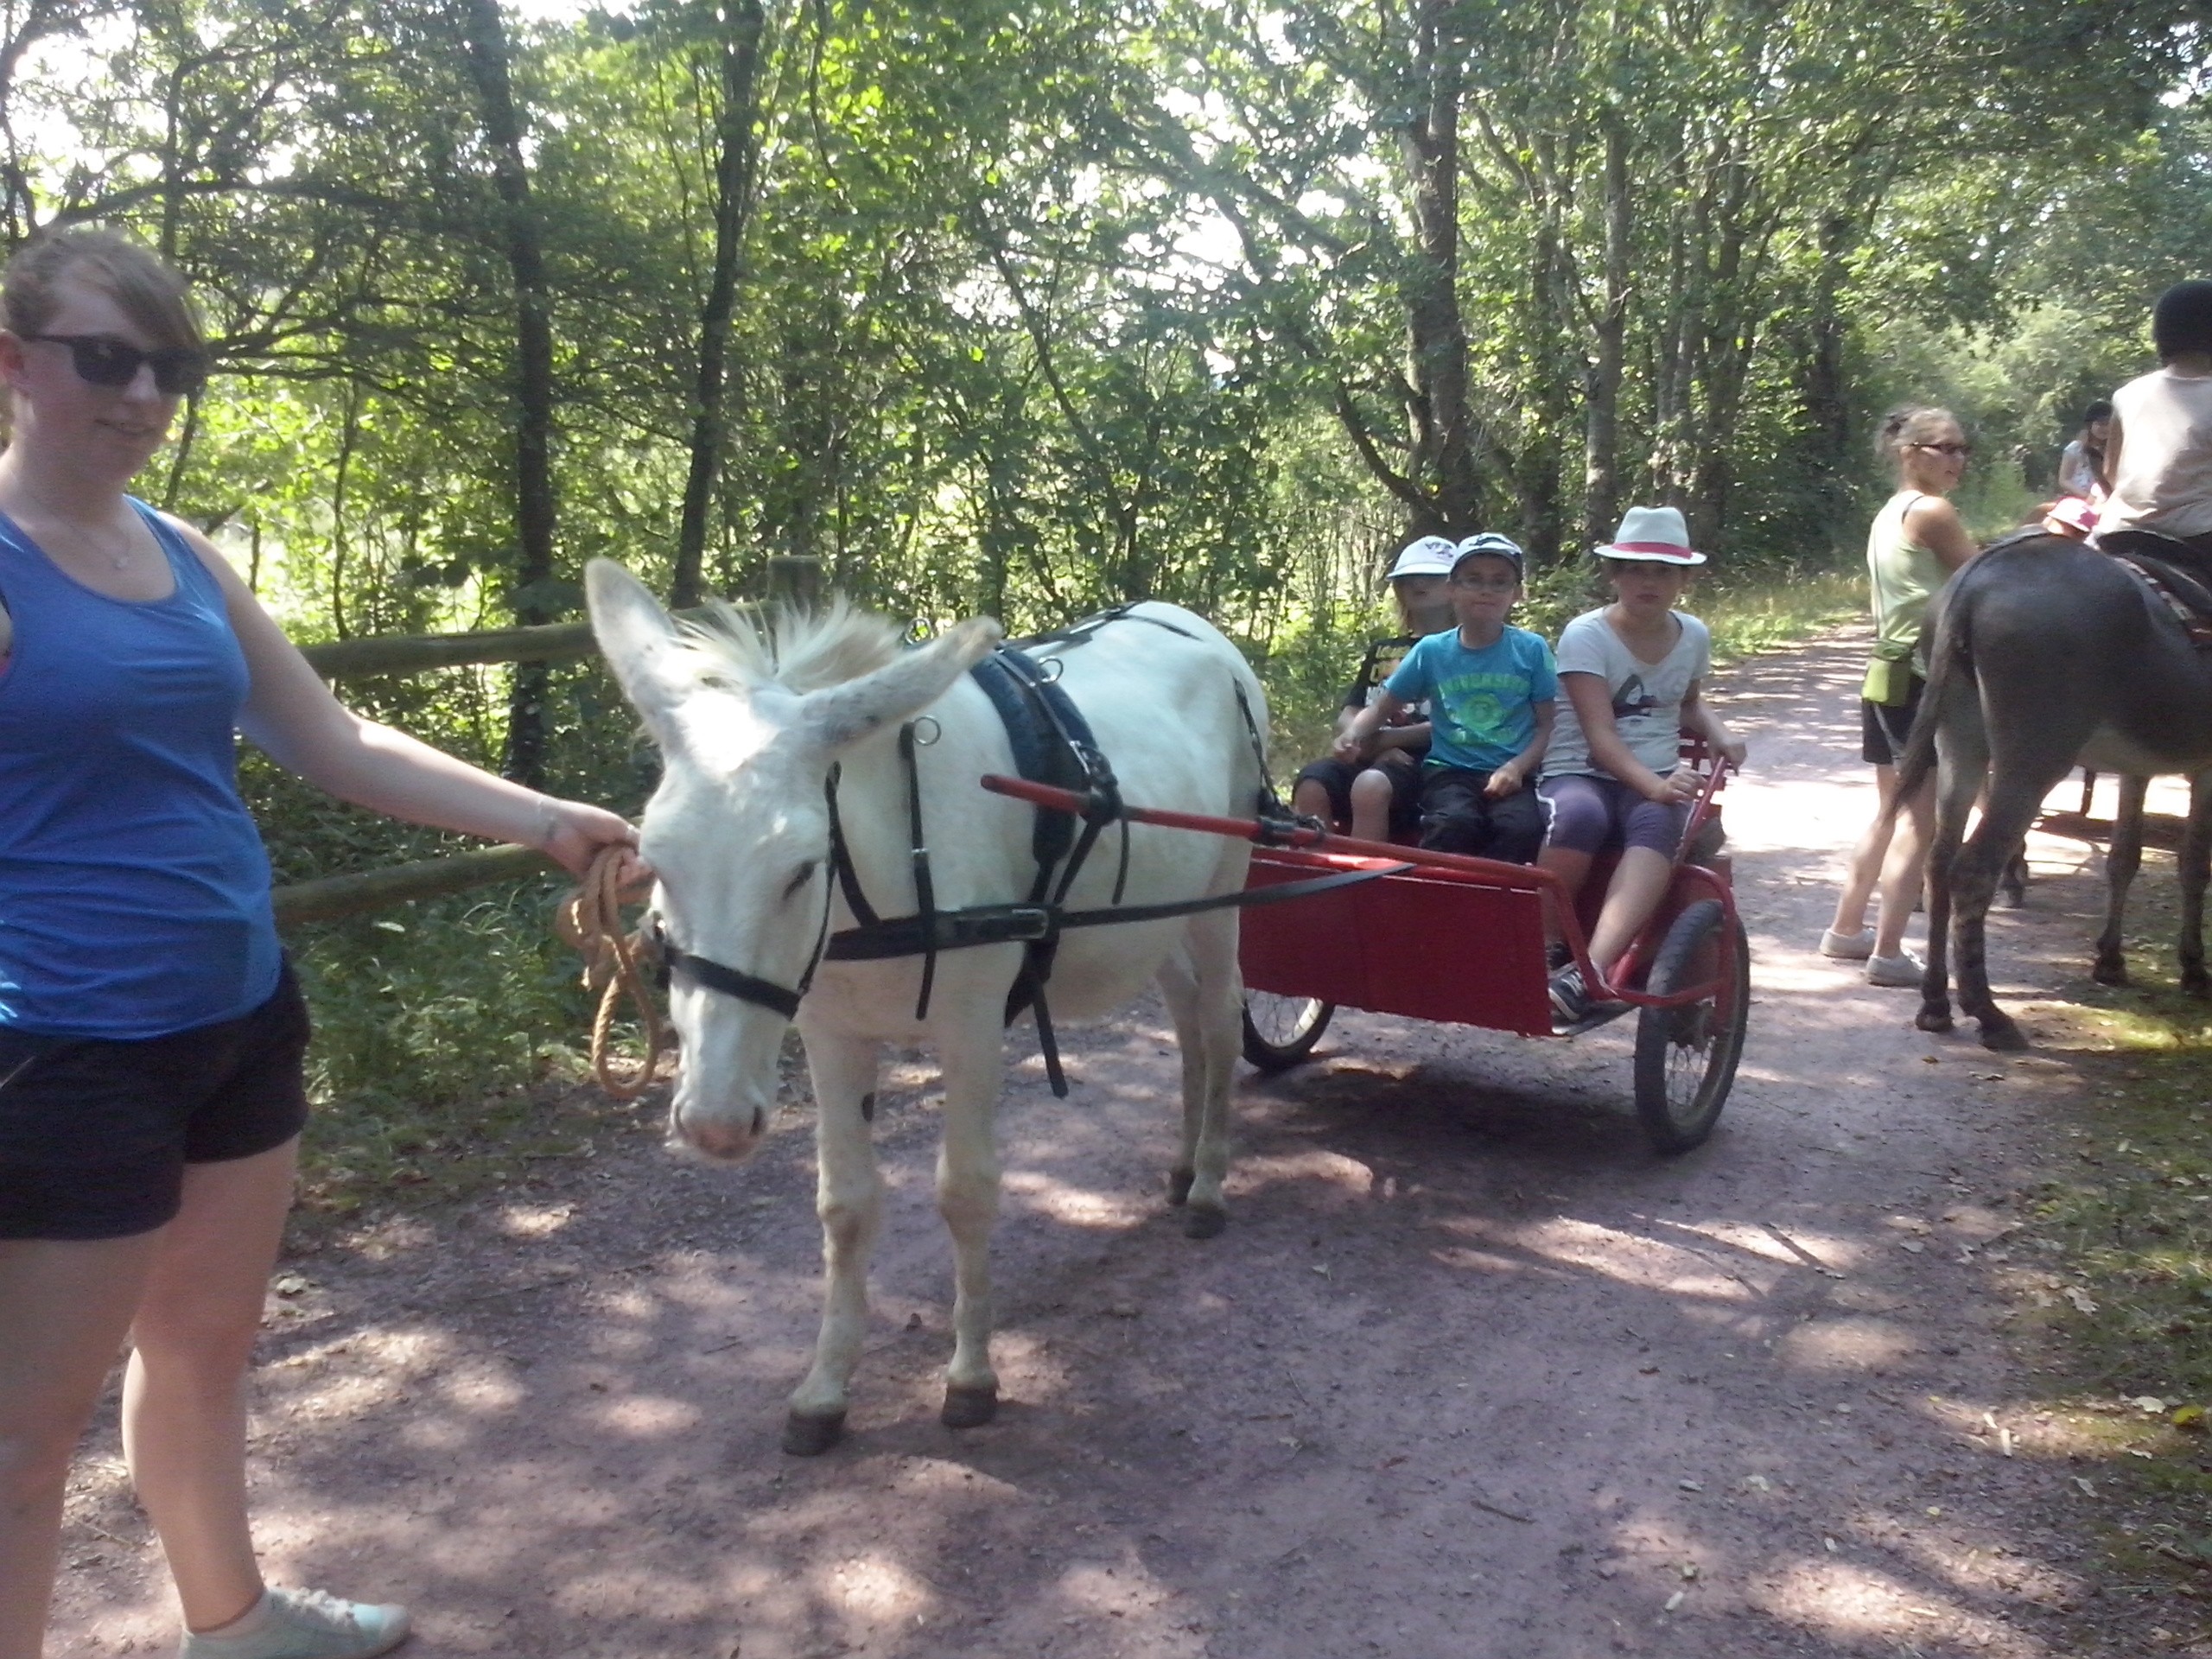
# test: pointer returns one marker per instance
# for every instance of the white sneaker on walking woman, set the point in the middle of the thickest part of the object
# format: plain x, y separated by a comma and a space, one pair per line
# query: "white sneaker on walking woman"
301, 1624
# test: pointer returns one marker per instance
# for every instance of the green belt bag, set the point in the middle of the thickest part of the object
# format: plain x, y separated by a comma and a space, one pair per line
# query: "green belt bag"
1889, 676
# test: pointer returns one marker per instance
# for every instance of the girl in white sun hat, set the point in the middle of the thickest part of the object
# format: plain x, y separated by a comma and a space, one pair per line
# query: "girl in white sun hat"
1629, 673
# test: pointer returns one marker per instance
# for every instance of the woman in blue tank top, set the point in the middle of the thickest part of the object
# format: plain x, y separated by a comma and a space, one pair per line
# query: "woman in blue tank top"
150, 1035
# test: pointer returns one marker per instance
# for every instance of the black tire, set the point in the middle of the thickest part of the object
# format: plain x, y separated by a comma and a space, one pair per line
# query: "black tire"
1686, 1058
1281, 1031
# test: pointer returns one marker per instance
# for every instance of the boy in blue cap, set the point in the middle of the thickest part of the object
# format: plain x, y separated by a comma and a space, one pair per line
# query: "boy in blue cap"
1490, 689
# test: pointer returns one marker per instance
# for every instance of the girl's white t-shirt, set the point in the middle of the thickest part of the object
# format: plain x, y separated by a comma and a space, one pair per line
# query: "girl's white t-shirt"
1647, 696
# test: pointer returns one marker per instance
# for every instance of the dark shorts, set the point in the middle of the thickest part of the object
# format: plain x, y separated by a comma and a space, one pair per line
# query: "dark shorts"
1457, 817
1883, 730
95, 1133
1336, 777
1587, 814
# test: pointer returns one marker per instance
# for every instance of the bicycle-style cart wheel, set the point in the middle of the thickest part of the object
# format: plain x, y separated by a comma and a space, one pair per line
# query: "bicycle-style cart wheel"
1685, 1057
1281, 1031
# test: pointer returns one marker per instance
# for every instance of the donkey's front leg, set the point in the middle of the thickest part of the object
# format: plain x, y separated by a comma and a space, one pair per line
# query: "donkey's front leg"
973, 1057
849, 1198
1201, 985
2195, 869
2122, 860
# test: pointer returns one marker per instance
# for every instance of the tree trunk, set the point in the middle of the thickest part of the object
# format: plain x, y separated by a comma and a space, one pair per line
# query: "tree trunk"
1436, 337
488, 58
1601, 482
734, 170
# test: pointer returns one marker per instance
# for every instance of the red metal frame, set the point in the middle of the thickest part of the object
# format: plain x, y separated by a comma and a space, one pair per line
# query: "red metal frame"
1455, 938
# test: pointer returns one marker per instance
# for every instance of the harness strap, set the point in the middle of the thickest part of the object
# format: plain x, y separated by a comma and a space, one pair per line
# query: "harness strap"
924, 889
731, 982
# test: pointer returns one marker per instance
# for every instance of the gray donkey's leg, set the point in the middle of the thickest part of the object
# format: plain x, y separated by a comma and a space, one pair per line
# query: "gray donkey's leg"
2013, 803
1963, 763
2122, 860
2195, 866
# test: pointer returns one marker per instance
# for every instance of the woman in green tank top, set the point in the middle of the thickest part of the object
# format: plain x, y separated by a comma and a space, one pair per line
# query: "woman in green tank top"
1914, 544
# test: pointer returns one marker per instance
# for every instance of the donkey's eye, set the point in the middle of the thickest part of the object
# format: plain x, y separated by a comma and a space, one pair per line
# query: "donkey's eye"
800, 877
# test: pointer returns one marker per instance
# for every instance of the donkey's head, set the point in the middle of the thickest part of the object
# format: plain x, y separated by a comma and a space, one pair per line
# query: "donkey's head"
739, 829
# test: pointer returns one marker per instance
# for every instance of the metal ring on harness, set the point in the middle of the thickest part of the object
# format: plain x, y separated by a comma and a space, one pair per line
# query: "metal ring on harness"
1049, 669
925, 739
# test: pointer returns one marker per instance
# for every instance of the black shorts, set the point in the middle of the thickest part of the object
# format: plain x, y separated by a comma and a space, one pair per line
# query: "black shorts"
1336, 776
95, 1133
1883, 730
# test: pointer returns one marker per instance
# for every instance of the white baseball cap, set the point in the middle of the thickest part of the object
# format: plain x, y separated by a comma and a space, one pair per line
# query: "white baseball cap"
1428, 556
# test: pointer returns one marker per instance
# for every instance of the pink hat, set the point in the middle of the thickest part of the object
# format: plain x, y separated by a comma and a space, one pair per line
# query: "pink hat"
1656, 534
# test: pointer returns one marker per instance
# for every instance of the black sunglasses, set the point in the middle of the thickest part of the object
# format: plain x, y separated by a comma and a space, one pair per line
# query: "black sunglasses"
178, 370
1956, 451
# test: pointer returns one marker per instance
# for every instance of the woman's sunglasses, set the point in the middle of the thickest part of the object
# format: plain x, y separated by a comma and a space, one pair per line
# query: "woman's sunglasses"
178, 370
1957, 451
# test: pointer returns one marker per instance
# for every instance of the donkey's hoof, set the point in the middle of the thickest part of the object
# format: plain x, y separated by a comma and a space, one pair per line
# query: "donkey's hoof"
2195, 984
809, 1436
2002, 1036
1937, 1019
967, 1407
1204, 1221
2109, 973
1179, 1184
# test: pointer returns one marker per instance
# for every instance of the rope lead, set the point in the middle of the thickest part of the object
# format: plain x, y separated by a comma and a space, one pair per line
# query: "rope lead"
590, 921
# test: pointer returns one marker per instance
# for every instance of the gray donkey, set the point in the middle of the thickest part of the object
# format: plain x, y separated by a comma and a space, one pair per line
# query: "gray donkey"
2047, 655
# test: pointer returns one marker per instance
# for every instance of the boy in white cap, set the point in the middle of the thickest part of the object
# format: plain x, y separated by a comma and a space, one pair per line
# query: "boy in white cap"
1375, 791
1631, 672
1490, 688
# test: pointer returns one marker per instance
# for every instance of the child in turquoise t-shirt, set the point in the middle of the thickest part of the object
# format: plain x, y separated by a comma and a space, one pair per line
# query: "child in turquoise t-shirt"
1490, 691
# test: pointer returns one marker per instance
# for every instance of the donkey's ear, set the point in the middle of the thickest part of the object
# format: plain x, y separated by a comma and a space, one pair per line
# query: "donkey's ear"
843, 714
641, 647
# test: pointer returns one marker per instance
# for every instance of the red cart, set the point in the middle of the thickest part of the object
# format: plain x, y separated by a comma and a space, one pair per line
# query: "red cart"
1438, 936
1462, 940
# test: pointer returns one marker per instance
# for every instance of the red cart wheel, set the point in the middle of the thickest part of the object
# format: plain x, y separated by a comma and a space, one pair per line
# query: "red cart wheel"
1685, 1057
1281, 1031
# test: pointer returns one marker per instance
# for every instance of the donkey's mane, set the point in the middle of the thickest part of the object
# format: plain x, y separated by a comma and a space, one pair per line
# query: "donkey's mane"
800, 650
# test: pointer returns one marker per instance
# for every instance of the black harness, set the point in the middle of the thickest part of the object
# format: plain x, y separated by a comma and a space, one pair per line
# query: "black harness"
1052, 744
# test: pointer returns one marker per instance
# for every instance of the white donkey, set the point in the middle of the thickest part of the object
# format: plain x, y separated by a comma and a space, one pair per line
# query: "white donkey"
739, 834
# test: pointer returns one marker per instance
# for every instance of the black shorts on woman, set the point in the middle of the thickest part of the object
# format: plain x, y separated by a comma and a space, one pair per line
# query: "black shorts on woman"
1884, 728
95, 1132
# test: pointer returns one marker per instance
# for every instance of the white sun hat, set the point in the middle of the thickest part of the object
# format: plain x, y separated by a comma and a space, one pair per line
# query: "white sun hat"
1656, 534
1427, 556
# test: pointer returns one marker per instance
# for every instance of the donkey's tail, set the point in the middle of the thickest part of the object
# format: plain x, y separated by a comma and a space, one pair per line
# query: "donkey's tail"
1951, 652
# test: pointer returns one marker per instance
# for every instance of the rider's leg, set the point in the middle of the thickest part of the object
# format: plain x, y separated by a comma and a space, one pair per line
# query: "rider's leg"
1651, 831
1370, 804
1578, 824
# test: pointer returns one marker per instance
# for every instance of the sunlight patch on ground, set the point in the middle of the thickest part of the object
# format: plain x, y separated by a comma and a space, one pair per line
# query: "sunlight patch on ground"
1316, 1164
644, 1416
875, 1587
1076, 1205
1851, 1345
1646, 1263
532, 1220
1841, 1599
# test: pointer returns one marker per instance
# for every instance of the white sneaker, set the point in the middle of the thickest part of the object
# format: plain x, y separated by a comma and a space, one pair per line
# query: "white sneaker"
302, 1624
1847, 947
1900, 972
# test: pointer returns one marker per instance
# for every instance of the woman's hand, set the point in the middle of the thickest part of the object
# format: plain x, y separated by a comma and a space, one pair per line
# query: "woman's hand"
1733, 751
1677, 787
571, 833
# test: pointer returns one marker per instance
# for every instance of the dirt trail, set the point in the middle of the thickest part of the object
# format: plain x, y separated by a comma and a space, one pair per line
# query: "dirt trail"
1470, 1373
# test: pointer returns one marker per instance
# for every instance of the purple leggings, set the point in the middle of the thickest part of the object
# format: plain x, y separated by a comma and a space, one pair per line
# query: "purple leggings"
1586, 812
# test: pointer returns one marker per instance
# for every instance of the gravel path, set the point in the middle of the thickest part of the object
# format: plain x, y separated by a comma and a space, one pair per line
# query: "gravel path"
1470, 1373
